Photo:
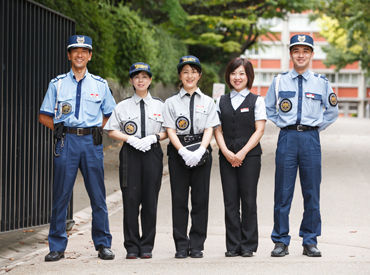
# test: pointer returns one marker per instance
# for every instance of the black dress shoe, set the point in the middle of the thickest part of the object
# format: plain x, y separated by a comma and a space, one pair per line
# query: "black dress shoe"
231, 253
105, 253
246, 253
146, 255
54, 256
181, 254
311, 250
132, 255
280, 250
196, 254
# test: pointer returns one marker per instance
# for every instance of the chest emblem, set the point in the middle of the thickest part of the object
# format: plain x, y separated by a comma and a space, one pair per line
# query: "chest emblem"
244, 110
66, 108
182, 123
285, 105
130, 127
333, 99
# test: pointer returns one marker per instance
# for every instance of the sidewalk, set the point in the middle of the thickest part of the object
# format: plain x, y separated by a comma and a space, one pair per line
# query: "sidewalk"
345, 240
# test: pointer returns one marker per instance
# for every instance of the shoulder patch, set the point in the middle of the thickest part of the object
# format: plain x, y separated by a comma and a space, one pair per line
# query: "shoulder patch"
157, 98
98, 78
61, 76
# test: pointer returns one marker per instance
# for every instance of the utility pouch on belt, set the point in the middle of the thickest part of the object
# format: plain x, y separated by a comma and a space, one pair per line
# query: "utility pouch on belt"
59, 135
195, 146
97, 134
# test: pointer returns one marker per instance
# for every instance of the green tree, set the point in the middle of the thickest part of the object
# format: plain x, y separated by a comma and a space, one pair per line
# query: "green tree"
346, 24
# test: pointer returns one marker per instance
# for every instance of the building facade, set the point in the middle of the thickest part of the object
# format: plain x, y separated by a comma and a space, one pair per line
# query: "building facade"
272, 57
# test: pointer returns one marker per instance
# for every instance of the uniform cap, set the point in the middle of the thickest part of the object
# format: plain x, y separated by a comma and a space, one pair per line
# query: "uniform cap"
140, 67
79, 41
301, 39
188, 59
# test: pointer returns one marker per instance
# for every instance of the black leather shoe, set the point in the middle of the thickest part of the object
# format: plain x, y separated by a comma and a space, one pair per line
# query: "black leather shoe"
105, 253
132, 255
246, 253
311, 250
54, 256
146, 255
196, 254
181, 254
280, 250
231, 253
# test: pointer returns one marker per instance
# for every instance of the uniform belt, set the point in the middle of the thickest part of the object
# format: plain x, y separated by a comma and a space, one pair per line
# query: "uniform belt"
300, 128
188, 139
79, 131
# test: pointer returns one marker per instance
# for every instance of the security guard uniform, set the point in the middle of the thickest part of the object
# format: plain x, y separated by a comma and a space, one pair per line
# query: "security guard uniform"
80, 106
238, 112
189, 116
140, 172
302, 106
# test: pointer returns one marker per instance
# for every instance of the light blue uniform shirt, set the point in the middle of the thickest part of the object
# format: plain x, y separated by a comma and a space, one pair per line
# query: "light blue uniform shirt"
237, 99
318, 103
80, 104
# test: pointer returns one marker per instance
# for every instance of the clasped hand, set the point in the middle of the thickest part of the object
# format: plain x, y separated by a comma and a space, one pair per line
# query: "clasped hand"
192, 158
142, 144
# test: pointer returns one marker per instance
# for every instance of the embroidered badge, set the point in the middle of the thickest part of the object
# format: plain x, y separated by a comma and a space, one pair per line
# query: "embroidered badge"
80, 40
182, 123
285, 105
130, 127
243, 110
301, 38
333, 99
66, 108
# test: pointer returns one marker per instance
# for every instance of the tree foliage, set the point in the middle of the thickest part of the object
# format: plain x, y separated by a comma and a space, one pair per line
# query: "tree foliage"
346, 24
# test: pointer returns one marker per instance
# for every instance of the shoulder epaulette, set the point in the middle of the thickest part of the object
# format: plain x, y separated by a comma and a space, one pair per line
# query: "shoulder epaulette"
321, 76
98, 78
157, 98
126, 98
61, 76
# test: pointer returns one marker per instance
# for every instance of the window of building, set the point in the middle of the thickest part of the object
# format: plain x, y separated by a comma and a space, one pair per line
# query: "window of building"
348, 79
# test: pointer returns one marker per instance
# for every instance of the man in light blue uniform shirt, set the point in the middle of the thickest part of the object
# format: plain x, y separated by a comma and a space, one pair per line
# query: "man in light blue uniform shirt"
76, 106
302, 104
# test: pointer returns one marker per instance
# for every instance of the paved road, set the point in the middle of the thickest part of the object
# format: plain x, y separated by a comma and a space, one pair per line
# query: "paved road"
345, 241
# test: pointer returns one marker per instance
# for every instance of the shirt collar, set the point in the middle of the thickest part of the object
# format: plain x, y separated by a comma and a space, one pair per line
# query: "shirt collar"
137, 98
183, 92
73, 75
242, 93
305, 75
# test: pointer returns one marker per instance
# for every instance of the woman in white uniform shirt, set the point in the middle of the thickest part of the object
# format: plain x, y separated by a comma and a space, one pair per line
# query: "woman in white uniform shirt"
243, 118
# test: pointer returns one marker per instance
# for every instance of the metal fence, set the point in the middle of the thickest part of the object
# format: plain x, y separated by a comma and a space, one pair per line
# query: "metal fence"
32, 51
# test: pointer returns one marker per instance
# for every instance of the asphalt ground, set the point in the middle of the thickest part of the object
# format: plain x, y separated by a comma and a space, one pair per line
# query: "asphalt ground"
345, 205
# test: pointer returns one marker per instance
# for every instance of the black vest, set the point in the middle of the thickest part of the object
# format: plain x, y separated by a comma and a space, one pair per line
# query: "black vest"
239, 125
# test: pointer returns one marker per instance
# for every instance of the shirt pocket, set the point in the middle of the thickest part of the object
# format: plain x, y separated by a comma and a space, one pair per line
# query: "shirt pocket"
312, 103
92, 106
129, 124
155, 123
200, 119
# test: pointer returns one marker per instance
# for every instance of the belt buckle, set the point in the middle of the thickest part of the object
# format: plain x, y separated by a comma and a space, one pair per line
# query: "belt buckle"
300, 128
188, 138
79, 131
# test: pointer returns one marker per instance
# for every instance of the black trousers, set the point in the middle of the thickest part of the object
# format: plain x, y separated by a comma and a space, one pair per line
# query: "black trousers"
140, 181
182, 180
239, 187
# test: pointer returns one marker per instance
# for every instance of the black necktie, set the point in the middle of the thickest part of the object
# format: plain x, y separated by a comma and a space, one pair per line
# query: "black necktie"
192, 113
142, 115
300, 95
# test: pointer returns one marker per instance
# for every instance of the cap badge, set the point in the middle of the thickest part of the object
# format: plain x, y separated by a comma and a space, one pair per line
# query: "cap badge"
301, 38
141, 66
187, 59
80, 39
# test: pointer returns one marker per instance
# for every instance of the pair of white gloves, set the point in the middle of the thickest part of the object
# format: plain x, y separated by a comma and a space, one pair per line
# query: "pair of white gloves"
142, 144
192, 158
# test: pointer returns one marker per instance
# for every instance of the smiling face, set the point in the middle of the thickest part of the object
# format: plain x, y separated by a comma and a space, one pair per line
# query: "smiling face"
189, 77
239, 79
79, 57
301, 56
141, 81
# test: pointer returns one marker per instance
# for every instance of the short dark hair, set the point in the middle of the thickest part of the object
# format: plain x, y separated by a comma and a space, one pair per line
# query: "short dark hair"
136, 73
234, 64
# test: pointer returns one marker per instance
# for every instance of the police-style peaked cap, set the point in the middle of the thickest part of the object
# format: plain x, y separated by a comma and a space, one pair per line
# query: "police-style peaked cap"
79, 41
301, 39
188, 59
140, 67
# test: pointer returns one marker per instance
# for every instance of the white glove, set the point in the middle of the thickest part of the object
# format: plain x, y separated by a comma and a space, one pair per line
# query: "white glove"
185, 154
146, 142
196, 156
133, 141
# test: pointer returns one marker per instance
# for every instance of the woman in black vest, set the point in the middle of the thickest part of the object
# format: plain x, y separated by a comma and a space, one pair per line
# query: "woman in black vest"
243, 118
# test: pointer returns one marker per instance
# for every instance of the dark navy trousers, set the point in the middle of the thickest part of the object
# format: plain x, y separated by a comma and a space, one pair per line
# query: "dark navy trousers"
297, 150
79, 152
